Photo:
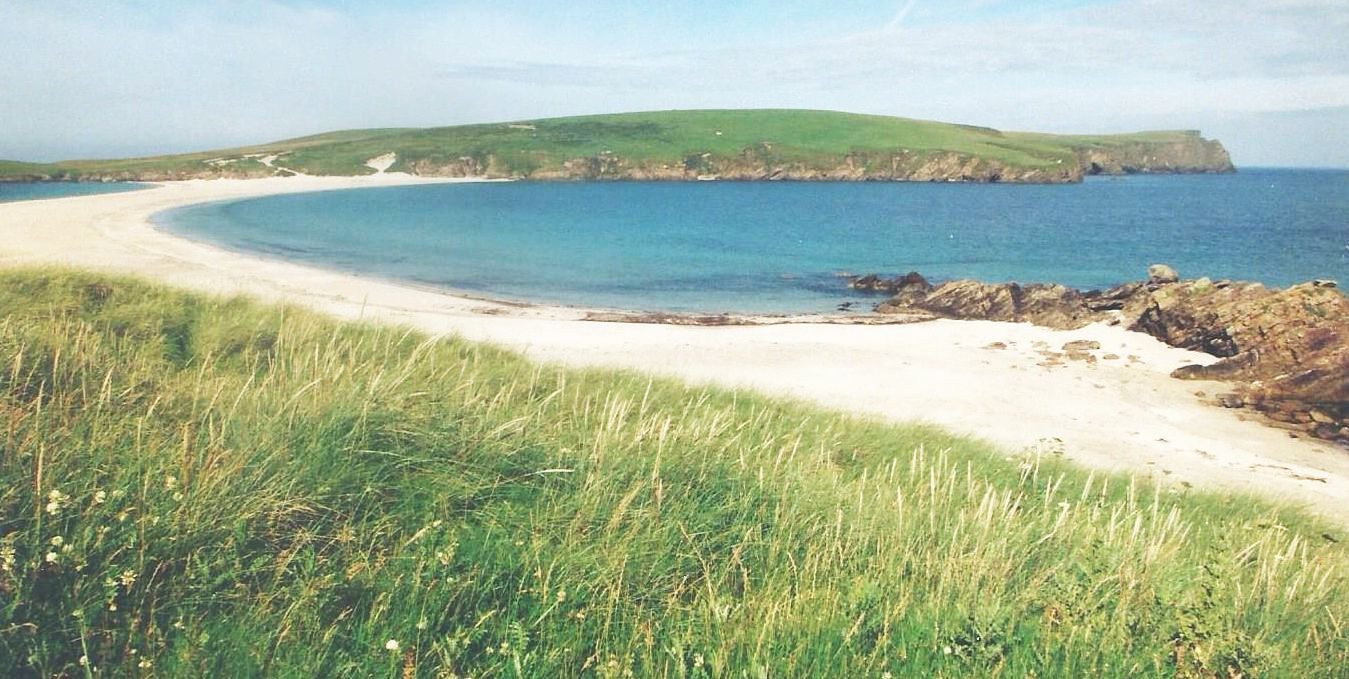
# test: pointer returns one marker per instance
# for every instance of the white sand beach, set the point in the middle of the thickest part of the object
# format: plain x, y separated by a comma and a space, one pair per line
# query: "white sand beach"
1122, 414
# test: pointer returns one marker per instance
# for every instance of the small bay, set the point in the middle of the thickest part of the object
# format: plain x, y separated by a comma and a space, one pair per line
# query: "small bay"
782, 247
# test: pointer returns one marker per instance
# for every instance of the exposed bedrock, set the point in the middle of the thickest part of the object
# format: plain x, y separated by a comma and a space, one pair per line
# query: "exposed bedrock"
1192, 154
1287, 350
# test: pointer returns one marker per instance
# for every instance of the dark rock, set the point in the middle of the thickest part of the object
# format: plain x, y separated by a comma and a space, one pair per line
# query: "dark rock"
1230, 400
1082, 345
911, 285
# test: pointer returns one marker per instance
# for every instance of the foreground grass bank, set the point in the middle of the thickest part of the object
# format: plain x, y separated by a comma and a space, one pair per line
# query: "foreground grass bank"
202, 487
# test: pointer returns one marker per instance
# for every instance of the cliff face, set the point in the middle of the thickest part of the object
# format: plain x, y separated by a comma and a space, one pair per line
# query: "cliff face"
1184, 155
761, 165
1190, 154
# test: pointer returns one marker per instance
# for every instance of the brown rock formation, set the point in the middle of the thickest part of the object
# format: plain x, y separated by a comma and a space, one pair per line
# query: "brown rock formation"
1192, 154
1288, 350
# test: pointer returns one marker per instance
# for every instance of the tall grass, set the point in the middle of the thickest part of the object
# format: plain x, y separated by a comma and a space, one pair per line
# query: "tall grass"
205, 487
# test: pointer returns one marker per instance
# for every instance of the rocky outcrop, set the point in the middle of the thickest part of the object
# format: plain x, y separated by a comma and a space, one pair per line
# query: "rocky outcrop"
1054, 306
1287, 350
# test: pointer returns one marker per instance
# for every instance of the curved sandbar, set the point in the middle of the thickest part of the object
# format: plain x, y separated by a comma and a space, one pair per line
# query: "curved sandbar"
1121, 414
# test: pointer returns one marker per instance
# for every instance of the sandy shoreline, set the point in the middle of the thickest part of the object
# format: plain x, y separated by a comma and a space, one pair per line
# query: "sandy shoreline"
1121, 413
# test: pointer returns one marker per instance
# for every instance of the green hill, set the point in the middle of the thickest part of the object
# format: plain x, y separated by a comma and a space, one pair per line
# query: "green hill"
199, 487
685, 145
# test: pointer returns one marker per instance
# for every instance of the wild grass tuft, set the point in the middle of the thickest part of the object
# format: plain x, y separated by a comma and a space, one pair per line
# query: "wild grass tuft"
211, 487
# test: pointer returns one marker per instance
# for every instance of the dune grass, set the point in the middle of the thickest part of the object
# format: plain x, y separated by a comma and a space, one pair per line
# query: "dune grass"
674, 138
193, 486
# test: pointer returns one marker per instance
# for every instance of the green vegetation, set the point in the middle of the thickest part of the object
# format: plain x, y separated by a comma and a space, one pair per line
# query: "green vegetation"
193, 486
656, 141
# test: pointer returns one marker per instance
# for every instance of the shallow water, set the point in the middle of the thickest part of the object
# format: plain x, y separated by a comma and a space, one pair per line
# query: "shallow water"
780, 247
14, 191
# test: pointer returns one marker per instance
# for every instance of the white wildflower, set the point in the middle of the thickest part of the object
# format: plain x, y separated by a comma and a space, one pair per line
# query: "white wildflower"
145, 664
127, 578
177, 497
100, 496
697, 660
170, 482
84, 661
946, 650
57, 541
52, 557
392, 645
56, 501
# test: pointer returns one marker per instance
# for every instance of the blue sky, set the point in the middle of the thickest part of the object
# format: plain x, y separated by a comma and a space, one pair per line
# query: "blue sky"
113, 78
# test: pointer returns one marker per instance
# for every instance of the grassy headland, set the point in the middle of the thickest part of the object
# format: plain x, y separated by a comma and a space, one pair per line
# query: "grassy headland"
681, 145
194, 486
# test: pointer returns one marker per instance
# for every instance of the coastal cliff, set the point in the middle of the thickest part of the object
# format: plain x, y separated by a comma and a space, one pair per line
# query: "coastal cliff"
739, 145
1189, 153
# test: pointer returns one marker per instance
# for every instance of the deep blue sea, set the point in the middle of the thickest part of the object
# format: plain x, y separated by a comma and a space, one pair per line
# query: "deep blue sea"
12, 191
781, 247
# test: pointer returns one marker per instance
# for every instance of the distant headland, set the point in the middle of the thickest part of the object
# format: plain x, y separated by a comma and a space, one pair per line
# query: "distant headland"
737, 145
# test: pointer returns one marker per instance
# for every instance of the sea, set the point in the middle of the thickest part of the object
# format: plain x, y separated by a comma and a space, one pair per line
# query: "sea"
712, 247
14, 191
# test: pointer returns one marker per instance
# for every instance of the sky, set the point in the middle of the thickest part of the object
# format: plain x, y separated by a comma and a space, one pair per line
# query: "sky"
109, 78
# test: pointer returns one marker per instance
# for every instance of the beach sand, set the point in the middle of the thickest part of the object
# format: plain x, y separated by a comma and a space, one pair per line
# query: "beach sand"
1119, 414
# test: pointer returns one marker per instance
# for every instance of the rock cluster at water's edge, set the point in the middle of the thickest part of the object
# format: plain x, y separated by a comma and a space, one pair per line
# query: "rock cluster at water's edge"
1287, 350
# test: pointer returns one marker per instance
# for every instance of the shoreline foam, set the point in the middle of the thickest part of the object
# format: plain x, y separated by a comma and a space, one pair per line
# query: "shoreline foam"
1123, 414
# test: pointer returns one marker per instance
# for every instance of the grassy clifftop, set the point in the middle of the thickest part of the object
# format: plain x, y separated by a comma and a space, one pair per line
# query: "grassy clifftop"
683, 145
205, 487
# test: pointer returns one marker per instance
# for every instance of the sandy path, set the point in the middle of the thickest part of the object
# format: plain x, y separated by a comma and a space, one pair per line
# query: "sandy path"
1118, 414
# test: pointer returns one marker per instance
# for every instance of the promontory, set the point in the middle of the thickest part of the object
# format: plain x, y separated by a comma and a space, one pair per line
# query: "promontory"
746, 145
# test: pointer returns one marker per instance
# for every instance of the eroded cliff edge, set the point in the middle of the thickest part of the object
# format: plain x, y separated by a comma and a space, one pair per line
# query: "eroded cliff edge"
1182, 153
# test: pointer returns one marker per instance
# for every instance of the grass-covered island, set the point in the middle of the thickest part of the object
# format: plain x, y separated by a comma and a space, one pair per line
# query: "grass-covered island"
197, 486
681, 145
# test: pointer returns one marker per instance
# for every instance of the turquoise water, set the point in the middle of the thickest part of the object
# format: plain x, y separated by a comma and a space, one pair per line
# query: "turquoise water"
12, 191
780, 247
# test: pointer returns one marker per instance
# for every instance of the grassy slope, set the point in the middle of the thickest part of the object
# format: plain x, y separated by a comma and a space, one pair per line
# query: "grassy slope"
217, 488
662, 137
